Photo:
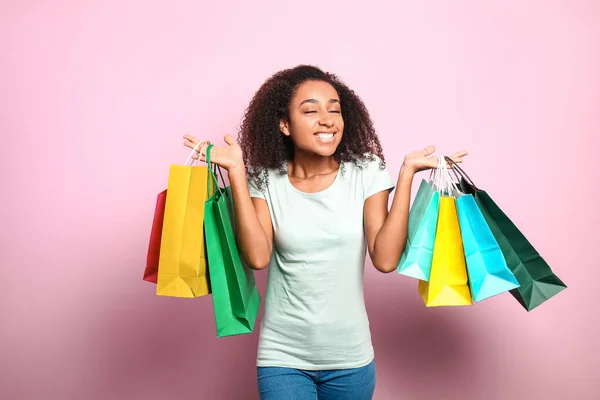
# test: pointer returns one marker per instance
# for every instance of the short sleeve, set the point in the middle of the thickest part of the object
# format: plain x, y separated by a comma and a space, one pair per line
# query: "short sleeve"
254, 190
376, 179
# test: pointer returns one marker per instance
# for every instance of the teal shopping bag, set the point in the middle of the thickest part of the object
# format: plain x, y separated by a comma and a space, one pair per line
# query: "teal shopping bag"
488, 273
537, 281
236, 299
422, 224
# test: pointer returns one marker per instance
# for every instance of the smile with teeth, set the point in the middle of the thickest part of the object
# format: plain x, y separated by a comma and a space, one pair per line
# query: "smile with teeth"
325, 137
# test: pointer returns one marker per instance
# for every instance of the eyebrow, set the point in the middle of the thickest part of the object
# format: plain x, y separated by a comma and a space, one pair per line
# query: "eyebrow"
316, 101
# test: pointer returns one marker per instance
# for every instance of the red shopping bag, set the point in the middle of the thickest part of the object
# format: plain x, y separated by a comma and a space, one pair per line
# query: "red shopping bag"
151, 271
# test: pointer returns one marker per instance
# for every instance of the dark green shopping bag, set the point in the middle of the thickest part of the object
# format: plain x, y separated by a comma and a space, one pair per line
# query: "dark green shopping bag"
538, 283
235, 297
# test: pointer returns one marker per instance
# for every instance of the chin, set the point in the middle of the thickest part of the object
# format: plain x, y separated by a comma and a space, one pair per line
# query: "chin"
326, 151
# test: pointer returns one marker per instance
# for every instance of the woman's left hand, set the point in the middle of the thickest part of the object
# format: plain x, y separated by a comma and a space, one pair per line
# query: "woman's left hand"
421, 160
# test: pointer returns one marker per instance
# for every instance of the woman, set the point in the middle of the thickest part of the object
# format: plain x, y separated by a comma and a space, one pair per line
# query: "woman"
313, 200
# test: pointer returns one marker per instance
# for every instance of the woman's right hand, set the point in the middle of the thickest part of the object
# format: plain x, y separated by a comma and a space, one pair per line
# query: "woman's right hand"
229, 157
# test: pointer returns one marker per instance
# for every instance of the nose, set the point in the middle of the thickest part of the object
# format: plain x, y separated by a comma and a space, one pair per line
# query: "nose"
325, 119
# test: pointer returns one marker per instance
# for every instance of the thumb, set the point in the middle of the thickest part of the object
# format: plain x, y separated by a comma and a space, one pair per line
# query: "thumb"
228, 139
428, 150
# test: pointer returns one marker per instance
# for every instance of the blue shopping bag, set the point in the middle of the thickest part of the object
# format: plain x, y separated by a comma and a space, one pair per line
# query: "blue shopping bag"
488, 272
422, 225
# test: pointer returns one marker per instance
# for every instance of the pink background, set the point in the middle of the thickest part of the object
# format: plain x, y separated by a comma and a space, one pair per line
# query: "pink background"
94, 99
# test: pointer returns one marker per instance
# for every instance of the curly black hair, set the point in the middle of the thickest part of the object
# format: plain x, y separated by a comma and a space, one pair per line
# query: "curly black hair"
265, 147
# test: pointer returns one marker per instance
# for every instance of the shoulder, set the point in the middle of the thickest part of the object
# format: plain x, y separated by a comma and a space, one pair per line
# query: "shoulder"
370, 173
370, 164
261, 182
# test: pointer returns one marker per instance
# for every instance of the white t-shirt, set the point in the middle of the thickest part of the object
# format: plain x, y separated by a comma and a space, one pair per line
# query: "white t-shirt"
315, 316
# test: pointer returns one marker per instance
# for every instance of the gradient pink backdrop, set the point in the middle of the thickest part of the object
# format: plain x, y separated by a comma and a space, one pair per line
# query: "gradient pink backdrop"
94, 98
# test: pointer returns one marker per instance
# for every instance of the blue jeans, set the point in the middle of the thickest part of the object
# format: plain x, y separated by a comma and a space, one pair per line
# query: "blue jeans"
277, 383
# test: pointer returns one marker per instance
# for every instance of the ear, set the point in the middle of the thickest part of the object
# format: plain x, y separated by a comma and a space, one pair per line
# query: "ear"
284, 127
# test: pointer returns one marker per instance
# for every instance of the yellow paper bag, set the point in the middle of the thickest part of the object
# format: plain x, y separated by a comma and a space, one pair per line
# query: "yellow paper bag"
447, 284
182, 270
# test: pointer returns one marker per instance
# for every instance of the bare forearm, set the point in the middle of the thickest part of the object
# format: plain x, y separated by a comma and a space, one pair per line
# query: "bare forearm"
252, 239
391, 239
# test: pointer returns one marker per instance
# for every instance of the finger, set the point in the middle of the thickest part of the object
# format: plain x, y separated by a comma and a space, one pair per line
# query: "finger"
198, 156
201, 146
228, 139
459, 155
194, 140
451, 165
191, 138
428, 150
189, 144
202, 150
193, 145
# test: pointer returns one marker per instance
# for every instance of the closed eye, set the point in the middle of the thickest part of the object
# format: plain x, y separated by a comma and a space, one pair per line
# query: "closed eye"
332, 111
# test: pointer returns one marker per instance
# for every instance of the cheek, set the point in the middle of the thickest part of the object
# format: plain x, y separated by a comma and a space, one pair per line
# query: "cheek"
301, 127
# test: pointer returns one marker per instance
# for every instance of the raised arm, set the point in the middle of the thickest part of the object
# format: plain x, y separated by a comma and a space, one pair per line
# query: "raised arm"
252, 217
387, 232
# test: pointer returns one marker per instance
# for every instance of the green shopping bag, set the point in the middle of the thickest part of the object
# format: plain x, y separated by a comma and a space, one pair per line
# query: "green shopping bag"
235, 297
538, 283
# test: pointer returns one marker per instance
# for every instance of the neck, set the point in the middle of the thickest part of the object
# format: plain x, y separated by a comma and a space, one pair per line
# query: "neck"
307, 165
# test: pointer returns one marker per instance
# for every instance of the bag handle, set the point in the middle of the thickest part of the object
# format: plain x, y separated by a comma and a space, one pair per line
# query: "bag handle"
450, 184
212, 167
458, 170
438, 176
434, 175
441, 181
195, 150
441, 178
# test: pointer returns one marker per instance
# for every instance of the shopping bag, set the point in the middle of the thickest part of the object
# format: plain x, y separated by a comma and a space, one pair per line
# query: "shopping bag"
486, 267
182, 268
538, 283
236, 299
447, 284
422, 222
152, 256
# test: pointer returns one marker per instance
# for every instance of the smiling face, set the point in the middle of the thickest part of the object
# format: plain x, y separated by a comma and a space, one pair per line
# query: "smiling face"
316, 125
